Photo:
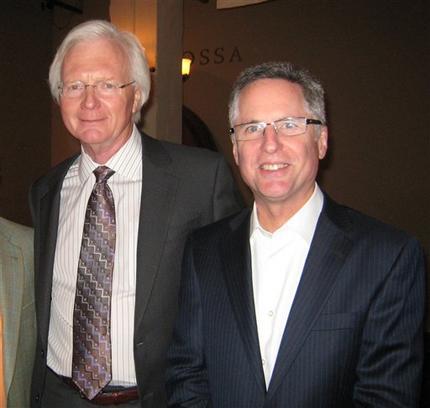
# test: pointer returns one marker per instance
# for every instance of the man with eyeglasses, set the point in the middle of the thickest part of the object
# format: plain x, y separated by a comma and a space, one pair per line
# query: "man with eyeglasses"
298, 302
110, 226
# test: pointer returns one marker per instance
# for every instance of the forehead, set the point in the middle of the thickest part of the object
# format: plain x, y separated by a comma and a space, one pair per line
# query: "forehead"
269, 99
102, 58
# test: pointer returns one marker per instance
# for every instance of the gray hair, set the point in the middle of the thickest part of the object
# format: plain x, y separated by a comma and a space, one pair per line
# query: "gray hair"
100, 29
312, 89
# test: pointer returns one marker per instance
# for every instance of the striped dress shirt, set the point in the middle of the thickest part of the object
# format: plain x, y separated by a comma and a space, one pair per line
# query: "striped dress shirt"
126, 186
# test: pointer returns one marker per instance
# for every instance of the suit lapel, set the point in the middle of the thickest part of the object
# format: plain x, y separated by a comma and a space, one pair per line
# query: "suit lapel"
327, 254
235, 253
11, 298
159, 188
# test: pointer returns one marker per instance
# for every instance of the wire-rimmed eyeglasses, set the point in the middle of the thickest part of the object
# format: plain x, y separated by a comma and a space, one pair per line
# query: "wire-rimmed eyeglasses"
103, 88
290, 126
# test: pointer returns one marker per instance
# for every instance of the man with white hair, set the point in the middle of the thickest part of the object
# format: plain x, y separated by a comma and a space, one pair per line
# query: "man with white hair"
110, 225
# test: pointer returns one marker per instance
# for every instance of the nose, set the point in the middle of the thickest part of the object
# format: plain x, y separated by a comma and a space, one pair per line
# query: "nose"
89, 97
270, 138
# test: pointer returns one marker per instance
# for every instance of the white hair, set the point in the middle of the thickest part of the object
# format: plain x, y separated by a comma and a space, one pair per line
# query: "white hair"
100, 29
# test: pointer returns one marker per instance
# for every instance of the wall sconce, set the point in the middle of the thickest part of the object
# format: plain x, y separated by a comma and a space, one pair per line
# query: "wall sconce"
186, 68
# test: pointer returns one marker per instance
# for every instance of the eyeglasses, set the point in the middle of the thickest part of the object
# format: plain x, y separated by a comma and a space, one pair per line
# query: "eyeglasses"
290, 126
76, 89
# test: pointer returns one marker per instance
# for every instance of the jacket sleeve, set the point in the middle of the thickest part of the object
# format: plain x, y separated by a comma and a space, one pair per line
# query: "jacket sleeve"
187, 382
390, 362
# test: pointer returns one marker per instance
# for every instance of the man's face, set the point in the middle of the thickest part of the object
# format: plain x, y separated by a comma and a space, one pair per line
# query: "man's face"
280, 170
101, 124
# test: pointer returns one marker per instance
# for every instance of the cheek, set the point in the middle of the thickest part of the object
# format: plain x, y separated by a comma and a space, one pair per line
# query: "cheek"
123, 109
246, 163
308, 152
243, 156
67, 112
64, 107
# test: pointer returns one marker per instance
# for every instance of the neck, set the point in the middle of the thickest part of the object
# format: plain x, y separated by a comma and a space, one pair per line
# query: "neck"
273, 214
99, 157
102, 153
272, 217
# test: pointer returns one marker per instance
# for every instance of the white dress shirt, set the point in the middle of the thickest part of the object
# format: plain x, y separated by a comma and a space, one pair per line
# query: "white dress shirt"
278, 259
126, 186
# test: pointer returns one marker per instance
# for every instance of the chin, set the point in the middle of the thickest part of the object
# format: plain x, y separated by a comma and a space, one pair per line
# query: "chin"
93, 136
276, 189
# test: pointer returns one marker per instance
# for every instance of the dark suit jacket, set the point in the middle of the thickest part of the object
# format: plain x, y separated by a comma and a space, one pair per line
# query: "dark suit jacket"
354, 333
183, 188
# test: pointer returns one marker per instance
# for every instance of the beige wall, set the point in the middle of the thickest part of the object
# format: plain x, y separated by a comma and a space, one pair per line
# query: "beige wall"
371, 57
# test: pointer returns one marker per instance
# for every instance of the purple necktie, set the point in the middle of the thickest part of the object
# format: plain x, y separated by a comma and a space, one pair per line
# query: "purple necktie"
91, 364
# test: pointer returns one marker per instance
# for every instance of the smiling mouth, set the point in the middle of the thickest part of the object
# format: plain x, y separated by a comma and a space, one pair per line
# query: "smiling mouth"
273, 166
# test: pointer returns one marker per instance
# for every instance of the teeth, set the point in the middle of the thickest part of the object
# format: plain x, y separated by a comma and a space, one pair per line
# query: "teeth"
273, 166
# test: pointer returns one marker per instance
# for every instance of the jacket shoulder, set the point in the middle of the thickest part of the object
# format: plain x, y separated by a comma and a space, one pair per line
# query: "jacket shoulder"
358, 225
222, 228
53, 175
163, 151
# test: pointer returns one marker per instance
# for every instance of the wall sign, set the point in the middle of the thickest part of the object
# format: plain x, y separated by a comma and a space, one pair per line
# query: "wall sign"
219, 55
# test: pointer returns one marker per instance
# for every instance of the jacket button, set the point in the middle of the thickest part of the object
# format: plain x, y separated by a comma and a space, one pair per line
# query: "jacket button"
37, 397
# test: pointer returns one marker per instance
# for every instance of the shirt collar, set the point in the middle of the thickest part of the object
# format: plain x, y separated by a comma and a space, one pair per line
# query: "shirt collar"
303, 222
126, 162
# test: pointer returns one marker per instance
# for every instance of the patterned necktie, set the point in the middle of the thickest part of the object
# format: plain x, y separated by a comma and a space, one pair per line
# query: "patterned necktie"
91, 364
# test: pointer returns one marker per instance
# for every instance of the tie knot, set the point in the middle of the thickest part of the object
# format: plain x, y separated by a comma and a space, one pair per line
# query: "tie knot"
102, 173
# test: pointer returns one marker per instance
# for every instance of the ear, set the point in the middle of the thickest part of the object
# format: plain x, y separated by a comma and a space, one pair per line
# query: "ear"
137, 99
235, 152
322, 142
